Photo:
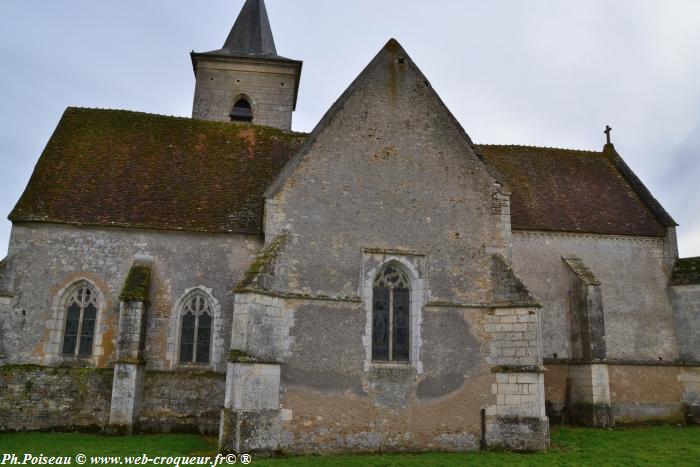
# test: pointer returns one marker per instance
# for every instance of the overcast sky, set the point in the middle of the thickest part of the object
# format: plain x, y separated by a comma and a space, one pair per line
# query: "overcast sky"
548, 73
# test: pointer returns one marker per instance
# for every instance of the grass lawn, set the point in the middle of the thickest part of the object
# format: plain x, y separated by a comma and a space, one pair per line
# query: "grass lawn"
658, 445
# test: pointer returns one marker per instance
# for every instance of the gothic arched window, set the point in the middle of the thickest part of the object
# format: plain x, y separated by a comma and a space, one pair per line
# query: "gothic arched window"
81, 313
242, 111
196, 330
391, 317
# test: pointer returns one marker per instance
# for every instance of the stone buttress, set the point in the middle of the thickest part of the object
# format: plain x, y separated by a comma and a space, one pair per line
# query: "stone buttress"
589, 397
129, 367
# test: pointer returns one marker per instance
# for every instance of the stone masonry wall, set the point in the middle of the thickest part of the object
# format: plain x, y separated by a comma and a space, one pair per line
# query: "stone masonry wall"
514, 337
634, 392
182, 401
646, 393
36, 398
360, 199
330, 403
269, 87
369, 179
44, 259
5, 307
41, 398
686, 307
639, 321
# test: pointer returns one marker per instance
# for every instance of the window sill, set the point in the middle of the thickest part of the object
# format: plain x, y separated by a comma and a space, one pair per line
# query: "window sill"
194, 366
401, 367
74, 361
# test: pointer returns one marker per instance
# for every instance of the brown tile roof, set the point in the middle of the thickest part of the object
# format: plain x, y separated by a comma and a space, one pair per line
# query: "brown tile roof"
129, 169
575, 191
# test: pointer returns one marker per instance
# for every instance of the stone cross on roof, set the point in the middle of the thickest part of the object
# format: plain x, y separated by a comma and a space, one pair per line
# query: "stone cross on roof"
608, 131
252, 34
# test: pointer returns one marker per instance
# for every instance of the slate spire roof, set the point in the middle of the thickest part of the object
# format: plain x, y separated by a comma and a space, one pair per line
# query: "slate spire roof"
251, 33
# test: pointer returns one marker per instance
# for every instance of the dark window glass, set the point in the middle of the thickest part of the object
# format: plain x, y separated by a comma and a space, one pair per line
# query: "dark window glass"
187, 338
196, 334
70, 337
87, 331
401, 324
380, 324
81, 313
203, 338
242, 111
391, 317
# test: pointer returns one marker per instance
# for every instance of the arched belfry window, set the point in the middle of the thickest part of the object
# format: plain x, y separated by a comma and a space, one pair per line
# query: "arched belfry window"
81, 313
196, 330
391, 317
242, 111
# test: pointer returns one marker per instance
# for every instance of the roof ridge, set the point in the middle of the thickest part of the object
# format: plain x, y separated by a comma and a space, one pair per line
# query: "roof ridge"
528, 146
190, 119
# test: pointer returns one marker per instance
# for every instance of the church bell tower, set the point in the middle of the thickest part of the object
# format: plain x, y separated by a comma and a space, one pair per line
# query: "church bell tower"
246, 80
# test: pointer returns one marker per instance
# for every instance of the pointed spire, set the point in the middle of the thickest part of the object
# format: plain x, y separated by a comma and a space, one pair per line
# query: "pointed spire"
252, 34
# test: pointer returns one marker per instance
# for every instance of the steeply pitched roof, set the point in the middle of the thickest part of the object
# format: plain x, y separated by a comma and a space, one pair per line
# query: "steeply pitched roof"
575, 191
686, 272
129, 169
251, 33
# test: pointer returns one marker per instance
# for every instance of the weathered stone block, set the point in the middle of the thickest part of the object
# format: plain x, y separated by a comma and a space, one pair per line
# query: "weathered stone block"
249, 431
126, 396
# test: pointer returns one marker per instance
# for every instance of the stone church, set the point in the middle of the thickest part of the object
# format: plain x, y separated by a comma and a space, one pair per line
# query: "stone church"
380, 284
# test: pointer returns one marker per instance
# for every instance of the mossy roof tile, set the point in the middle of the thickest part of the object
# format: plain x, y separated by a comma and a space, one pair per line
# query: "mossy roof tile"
566, 190
130, 169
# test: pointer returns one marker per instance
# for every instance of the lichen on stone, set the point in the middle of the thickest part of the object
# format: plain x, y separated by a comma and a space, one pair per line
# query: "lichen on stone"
137, 284
261, 264
239, 356
686, 271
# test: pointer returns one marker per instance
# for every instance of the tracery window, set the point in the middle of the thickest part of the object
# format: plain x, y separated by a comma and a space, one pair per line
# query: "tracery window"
196, 330
242, 111
391, 298
81, 313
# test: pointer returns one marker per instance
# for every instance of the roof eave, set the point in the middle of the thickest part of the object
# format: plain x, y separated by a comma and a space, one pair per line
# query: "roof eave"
661, 215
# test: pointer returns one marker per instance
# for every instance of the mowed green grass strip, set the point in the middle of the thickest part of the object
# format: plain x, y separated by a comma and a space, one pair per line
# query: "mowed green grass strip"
654, 446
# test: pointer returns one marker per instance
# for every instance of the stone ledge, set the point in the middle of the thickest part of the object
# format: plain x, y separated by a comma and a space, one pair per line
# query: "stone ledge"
295, 295
621, 362
519, 369
390, 251
238, 356
130, 361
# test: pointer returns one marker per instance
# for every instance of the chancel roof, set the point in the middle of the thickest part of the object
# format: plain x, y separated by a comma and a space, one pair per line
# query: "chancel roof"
131, 169
566, 190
